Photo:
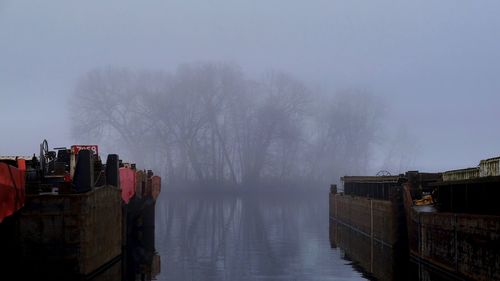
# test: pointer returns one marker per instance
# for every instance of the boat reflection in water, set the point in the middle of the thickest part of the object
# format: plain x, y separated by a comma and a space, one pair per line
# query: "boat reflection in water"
376, 260
139, 263
126, 272
369, 255
139, 260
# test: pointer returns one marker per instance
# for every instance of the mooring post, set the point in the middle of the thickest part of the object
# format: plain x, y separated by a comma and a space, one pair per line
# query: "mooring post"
371, 235
333, 189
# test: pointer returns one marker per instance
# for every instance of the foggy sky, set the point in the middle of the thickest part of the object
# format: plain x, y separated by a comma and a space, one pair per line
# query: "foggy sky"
435, 63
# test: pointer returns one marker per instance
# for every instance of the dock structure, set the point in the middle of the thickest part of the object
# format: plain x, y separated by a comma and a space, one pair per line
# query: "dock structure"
73, 216
461, 233
447, 221
366, 205
364, 222
76, 233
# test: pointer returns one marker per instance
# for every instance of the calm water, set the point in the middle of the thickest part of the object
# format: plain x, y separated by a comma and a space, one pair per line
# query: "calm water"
266, 236
250, 237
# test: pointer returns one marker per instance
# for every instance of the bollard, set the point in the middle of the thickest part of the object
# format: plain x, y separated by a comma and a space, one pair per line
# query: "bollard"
112, 170
333, 189
84, 171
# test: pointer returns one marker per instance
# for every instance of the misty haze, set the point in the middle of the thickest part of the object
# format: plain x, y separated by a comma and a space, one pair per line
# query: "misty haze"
295, 140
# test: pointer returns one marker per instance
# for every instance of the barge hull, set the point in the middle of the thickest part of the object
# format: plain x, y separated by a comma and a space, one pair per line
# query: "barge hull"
465, 244
71, 234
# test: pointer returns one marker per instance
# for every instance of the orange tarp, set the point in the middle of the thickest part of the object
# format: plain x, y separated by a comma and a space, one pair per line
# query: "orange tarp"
12, 194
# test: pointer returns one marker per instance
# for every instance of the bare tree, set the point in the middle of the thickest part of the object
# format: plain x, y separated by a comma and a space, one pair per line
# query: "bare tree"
346, 129
109, 103
209, 124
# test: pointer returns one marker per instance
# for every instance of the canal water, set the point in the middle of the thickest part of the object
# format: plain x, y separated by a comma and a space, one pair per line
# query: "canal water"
264, 236
256, 236
251, 236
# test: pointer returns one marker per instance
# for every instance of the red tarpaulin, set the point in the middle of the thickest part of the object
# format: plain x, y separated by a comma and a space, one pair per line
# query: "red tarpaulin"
127, 183
11, 189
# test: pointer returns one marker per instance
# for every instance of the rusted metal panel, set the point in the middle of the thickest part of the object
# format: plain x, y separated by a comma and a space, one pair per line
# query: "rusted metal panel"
461, 174
460, 243
140, 185
155, 266
374, 218
156, 186
74, 232
489, 167
149, 186
370, 179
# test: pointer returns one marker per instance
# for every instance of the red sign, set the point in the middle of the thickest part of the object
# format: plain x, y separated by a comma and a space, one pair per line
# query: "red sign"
76, 148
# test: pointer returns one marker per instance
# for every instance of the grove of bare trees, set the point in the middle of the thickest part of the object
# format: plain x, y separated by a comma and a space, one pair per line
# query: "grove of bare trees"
208, 124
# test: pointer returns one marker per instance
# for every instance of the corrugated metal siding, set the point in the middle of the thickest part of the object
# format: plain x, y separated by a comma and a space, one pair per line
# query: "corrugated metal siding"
489, 167
462, 174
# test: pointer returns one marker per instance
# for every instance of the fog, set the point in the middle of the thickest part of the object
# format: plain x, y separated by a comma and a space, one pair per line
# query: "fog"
429, 66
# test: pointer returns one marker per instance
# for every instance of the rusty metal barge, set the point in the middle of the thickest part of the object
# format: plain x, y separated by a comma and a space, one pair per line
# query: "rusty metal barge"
449, 222
67, 215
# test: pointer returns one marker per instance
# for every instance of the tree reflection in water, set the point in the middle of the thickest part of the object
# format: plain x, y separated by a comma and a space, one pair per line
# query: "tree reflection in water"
267, 236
